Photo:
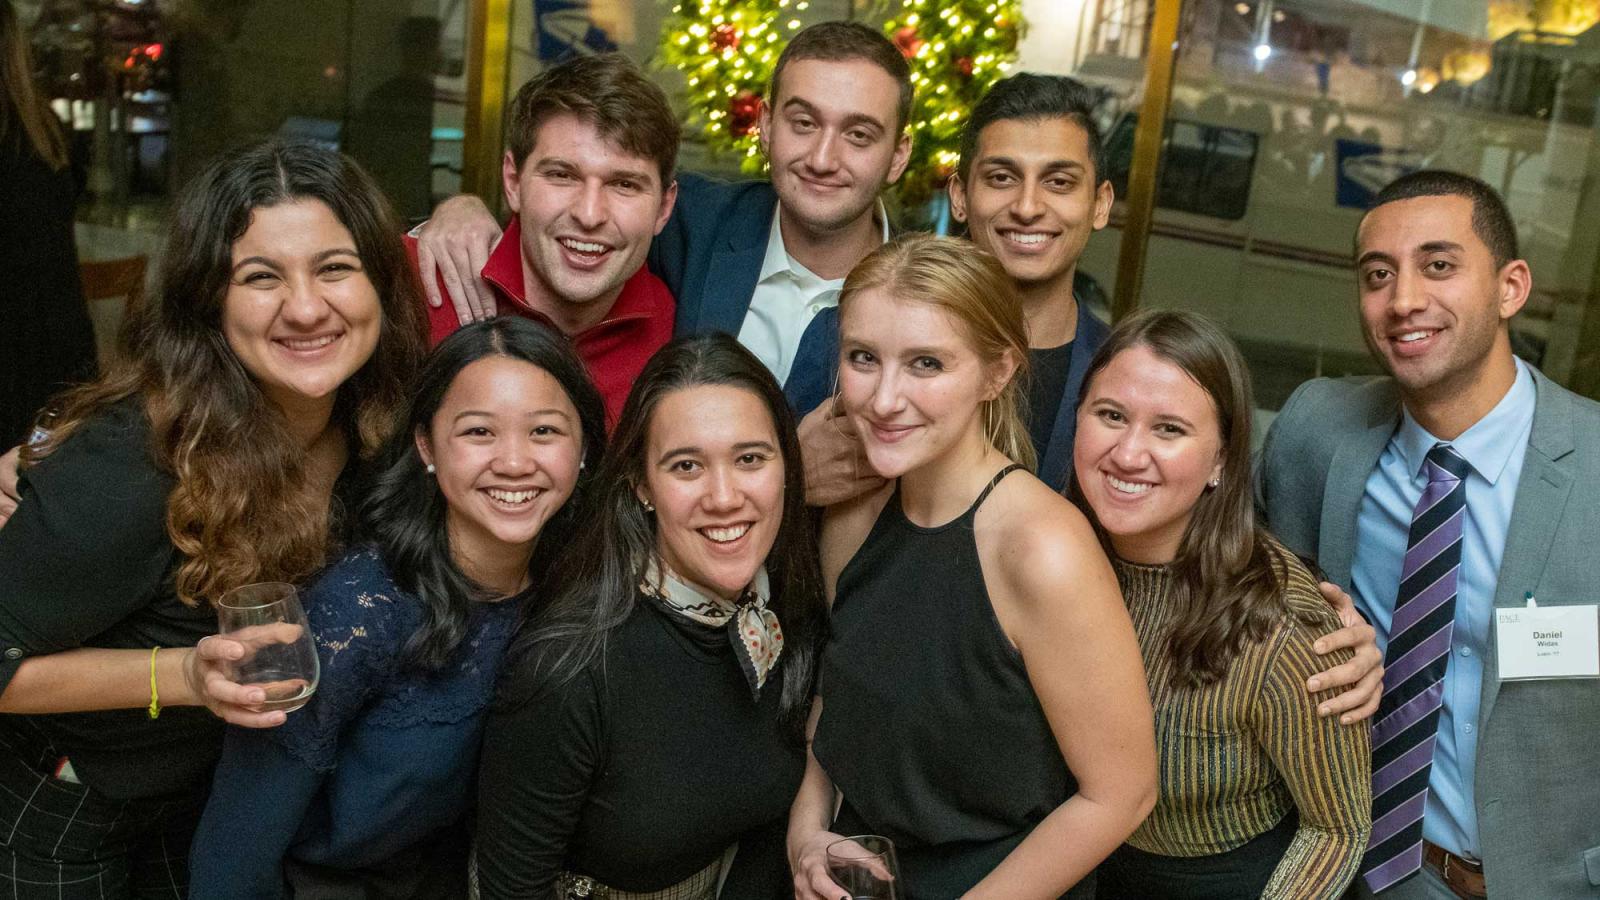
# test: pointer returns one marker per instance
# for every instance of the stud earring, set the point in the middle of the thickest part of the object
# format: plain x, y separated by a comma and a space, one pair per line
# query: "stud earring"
432, 469
648, 506
1212, 484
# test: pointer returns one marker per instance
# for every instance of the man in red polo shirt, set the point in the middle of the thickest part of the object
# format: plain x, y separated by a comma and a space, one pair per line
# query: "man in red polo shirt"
588, 175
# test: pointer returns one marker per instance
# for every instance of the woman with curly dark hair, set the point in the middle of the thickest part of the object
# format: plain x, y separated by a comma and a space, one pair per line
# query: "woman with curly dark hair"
276, 354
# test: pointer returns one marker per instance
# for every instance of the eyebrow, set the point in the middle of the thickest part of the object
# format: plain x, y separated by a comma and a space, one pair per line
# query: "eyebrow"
611, 175
855, 118
1374, 256
319, 257
700, 451
549, 411
1054, 165
1440, 247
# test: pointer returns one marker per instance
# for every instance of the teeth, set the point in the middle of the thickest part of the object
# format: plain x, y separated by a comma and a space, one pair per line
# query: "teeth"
583, 246
725, 535
511, 496
1027, 238
1410, 336
310, 344
1127, 487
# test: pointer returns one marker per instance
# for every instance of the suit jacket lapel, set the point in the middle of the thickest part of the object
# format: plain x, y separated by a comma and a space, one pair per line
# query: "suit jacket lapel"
1352, 463
1056, 467
736, 267
1542, 492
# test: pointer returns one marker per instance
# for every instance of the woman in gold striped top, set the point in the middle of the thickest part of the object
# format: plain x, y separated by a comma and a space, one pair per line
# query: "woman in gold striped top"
1260, 796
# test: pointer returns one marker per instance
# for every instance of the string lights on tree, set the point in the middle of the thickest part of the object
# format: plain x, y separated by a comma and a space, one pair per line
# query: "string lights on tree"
956, 51
726, 50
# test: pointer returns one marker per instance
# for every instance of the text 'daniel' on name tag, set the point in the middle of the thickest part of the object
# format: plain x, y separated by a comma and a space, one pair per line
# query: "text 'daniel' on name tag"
1548, 641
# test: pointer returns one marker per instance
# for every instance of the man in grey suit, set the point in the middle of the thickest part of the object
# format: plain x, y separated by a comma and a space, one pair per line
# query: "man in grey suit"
1461, 483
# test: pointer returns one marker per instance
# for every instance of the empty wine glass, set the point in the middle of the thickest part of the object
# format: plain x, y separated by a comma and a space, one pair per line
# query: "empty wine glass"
865, 866
279, 656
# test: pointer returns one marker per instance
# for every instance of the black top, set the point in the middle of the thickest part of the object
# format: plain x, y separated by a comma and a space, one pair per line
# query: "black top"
46, 340
86, 562
1048, 369
929, 725
641, 772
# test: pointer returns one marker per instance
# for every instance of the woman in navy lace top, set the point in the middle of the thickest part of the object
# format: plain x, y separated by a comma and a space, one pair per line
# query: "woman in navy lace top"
362, 792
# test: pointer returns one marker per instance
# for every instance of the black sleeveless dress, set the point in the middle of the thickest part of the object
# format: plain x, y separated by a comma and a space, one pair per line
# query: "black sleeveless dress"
929, 726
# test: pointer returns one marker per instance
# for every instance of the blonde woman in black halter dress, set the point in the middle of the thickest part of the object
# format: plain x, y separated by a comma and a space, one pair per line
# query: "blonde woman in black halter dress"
981, 701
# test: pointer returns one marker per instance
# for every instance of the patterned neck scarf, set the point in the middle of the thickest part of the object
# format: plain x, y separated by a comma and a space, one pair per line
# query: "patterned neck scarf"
752, 628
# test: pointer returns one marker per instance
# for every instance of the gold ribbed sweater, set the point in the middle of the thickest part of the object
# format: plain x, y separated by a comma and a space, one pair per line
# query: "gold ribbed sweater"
1237, 754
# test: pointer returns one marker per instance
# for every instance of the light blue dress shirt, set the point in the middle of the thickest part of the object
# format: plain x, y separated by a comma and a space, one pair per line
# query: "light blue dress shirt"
1494, 447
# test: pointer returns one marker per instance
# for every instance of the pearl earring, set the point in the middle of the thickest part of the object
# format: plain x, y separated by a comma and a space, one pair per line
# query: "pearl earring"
648, 507
431, 469
1212, 484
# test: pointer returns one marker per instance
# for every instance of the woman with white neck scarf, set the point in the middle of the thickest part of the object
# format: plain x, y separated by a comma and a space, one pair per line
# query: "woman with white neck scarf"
653, 715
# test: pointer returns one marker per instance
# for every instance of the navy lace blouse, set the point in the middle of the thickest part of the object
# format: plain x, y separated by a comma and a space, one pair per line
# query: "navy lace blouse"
381, 760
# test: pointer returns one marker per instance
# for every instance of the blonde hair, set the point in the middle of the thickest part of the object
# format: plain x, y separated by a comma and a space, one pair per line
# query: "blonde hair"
973, 288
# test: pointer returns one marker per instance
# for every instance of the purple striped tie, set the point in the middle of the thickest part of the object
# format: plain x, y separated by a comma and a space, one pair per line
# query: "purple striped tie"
1413, 679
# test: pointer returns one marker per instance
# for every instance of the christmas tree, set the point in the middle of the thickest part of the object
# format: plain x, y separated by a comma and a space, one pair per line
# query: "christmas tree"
956, 50
726, 50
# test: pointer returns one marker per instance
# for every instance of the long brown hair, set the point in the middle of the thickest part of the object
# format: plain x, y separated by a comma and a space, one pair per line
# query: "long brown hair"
1229, 575
597, 581
973, 288
20, 105
239, 511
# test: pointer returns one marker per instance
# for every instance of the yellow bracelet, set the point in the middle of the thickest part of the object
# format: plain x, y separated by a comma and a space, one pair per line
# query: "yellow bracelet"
155, 699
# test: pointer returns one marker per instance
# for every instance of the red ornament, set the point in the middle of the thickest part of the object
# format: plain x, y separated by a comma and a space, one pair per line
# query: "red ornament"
744, 113
725, 37
906, 39
964, 66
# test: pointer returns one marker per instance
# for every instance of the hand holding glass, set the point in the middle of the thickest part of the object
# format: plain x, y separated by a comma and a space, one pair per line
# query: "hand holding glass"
279, 656
865, 866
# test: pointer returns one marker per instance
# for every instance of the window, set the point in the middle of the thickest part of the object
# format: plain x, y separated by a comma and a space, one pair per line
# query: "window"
1205, 169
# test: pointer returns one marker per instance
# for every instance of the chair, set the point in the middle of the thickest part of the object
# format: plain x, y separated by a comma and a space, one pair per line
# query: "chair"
120, 280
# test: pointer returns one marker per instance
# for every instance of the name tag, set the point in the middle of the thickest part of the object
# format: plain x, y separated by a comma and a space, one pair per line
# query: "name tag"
1548, 642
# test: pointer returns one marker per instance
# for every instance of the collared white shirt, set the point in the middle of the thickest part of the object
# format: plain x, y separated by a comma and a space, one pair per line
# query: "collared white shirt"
787, 297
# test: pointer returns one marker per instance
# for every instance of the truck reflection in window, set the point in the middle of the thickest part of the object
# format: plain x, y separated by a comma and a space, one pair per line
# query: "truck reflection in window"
1205, 169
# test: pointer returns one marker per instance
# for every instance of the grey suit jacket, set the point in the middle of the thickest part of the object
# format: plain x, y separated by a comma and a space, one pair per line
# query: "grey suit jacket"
1538, 769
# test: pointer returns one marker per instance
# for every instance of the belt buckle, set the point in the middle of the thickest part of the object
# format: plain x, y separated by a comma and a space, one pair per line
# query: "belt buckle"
1444, 870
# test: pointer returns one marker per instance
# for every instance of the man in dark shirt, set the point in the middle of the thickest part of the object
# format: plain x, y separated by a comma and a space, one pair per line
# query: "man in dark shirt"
1031, 187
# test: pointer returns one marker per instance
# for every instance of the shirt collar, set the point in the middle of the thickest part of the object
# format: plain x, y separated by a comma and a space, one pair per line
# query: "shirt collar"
1486, 446
778, 259
504, 268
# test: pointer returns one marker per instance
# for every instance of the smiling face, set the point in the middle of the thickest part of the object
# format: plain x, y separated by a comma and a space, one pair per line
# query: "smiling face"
588, 210
506, 442
299, 311
1030, 197
910, 380
714, 473
832, 139
1148, 441
1433, 303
